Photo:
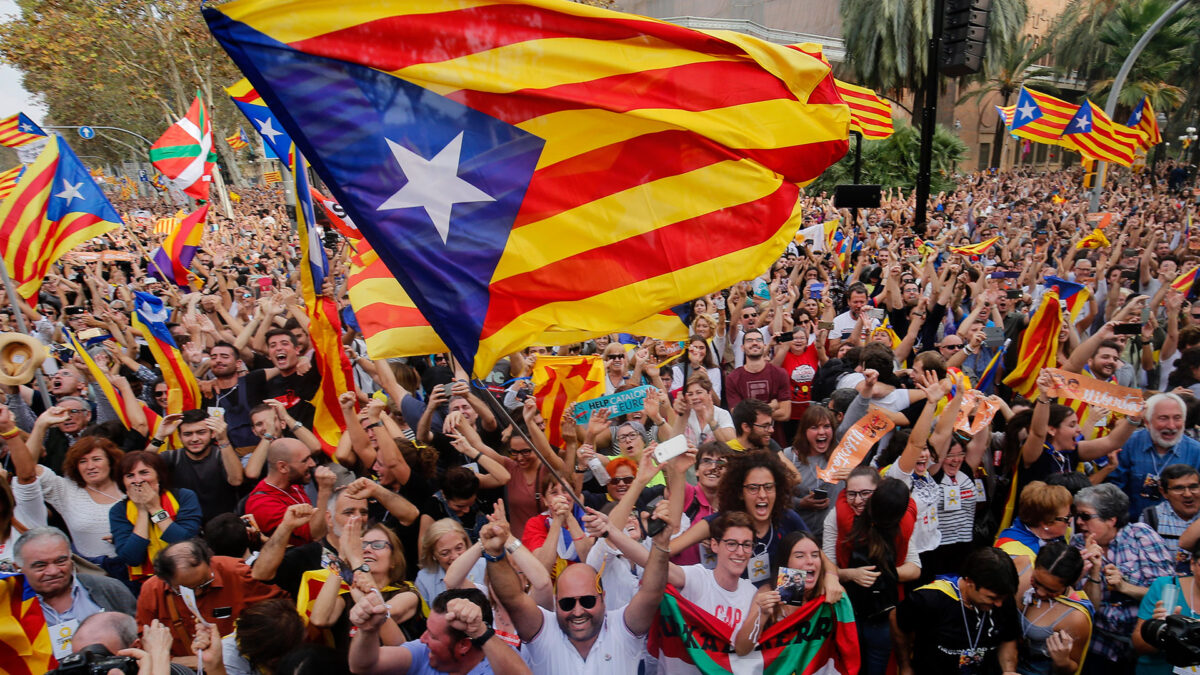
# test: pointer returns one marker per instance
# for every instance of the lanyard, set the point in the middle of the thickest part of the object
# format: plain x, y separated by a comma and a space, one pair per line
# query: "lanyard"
1154, 460
972, 644
221, 396
1060, 460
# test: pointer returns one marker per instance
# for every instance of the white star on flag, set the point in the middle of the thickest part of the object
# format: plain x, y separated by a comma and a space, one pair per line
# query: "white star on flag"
1083, 123
1027, 110
70, 192
267, 129
27, 128
433, 184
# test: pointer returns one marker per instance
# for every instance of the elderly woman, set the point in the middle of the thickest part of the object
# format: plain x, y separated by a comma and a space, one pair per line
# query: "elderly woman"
1043, 515
1121, 560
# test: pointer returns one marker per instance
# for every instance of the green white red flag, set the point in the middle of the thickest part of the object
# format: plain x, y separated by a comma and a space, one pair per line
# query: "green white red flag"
815, 639
184, 153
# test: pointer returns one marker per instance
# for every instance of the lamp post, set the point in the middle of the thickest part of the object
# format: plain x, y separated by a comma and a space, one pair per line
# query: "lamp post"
1186, 140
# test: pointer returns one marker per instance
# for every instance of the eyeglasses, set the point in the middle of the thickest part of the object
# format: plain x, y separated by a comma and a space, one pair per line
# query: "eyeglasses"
732, 545
613, 357
61, 561
623, 480
627, 437
378, 544
713, 461
1180, 489
587, 601
1086, 516
766, 427
1062, 519
755, 488
854, 495
199, 590
526, 451
75, 411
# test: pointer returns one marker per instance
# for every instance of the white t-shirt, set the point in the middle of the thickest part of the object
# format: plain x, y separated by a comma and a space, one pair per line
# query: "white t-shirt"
616, 649
721, 419
843, 325
86, 519
927, 494
729, 607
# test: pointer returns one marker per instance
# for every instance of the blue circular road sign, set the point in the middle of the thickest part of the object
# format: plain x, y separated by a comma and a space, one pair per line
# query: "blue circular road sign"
86, 133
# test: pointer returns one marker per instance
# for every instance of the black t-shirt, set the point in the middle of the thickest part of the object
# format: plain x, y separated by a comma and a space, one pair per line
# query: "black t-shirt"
295, 388
298, 560
207, 478
417, 491
235, 402
941, 624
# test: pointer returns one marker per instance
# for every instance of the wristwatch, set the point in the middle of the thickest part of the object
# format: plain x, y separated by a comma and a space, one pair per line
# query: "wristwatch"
157, 442
363, 568
513, 545
160, 516
478, 642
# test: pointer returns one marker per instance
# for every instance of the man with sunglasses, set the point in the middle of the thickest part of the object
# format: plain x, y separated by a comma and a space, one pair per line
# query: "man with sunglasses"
222, 586
581, 636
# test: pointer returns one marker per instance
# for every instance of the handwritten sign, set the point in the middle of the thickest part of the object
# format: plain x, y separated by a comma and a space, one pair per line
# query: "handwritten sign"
1107, 395
984, 410
857, 442
620, 403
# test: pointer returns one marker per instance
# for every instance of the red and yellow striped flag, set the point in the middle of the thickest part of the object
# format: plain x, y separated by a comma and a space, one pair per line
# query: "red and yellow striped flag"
1094, 240
1038, 117
559, 382
975, 249
8, 180
272, 177
1091, 133
1039, 346
1183, 284
25, 647
870, 114
166, 225
17, 130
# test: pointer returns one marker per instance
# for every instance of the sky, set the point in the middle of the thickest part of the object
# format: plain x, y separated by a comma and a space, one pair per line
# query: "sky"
15, 98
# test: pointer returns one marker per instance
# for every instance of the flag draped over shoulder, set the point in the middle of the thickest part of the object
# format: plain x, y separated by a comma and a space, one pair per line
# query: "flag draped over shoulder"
172, 261
324, 322
1038, 117
559, 381
870, 115
1038, 348
54, 208
814, 638
17, 130
543, 163
25, 647
150, 318
185, 154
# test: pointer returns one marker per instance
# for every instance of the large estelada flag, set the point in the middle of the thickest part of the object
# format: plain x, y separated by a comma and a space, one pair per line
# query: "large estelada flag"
54, 208
185, 153
150, 317
815, 638
275, 139
324, 321
17, 130
172, 262
1142, 120
1092, 134
870, 114
561, 381
25, 647
1038, 117
531, 164
1038, 347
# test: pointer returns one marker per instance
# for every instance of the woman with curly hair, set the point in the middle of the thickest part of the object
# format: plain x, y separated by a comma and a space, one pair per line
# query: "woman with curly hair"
758, 483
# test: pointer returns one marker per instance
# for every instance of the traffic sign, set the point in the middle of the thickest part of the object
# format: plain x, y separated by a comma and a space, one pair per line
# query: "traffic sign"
143, 176
86, 133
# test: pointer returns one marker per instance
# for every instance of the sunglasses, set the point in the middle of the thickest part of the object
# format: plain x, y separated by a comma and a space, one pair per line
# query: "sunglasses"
1085, 516
568, 604
952, 347
623, 480
613, 357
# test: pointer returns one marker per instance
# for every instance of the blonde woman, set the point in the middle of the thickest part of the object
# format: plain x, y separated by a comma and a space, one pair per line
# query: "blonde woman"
444, 541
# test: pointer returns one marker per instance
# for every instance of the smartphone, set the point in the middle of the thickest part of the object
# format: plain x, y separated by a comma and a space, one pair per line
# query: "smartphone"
1127, 329
820, 494
1012, 294
1146, 312
1012, 275
913, 259
993, 336
670, 448
446, 388
784, 337
824, 325
250, 521
814, 291
522, 394
876, 313
1129, 253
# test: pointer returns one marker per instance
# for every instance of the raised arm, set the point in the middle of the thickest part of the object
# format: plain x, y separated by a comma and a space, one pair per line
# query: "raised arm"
522, 609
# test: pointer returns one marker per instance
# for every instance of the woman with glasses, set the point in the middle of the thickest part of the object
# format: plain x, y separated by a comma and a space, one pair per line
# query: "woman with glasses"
1186, 604
1121, 560
1056, 621
810, 451
151, 517
870, 534
374, 563
616, 367
1043, 515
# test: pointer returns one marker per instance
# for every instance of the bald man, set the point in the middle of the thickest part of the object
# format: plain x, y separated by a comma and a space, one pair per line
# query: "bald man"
290, 467
581, 624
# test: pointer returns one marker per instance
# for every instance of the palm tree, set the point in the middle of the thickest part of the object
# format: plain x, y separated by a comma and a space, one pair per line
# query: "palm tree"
1157, 66
1015, 64
886, 40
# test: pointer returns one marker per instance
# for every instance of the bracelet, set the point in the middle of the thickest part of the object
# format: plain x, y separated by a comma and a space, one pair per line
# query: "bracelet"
1041, 399
477, 456
478, 641
1095, 581
298, 425
494, 558
11, 433
664, 550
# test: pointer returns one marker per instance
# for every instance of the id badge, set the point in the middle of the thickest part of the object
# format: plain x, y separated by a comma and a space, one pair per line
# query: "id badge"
1186, 670
951, 498
707, 558
759, 568
980, 493
1150, 486
60, 637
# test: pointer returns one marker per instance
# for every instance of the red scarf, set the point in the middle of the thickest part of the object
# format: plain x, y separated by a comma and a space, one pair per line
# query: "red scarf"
845, 521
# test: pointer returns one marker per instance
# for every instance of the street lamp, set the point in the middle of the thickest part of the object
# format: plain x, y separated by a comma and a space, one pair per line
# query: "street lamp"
1186, 140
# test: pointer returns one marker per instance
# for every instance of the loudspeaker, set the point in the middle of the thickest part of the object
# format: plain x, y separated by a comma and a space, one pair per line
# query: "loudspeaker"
857, 196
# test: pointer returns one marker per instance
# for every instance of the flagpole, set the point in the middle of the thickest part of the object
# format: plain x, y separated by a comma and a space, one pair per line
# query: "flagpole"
219, 180
14, 299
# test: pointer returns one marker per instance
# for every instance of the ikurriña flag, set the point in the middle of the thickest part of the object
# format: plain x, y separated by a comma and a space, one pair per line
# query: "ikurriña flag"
55, 207
537, 164
185, 153
815, 638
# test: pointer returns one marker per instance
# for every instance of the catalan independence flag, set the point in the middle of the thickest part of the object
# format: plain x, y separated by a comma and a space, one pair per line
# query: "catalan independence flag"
324, 322
975, 249
1038, 117
1094, 135
172, 261
987, 379
815, 638
276, 141
1144, 122
239, 140
56, 207
25, 647
150, 317
1073, 295
559, 382
8, 180
870, 114
1038, 348
520, 165
1184, 282
17, 130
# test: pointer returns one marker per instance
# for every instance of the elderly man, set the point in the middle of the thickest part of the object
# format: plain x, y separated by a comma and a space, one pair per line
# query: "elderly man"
117, 633
1180, 484
290, 468
44, 556
57, 429
458, 639
581, 636
222, 587
1148, 451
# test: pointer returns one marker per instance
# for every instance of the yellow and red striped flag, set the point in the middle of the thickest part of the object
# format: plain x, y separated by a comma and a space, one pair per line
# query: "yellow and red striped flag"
1094, 240
1038, 117
554, 117
1145, 123
975, 249
239, 140
1091, 133
559, 382
8, 180
1184, 282
870, 114
166, 225
17, 130
1039, 346
272, 177
25, 647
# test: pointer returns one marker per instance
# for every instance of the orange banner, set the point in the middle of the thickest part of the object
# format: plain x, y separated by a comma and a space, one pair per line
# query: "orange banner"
857, 442
983, 408
1105, 395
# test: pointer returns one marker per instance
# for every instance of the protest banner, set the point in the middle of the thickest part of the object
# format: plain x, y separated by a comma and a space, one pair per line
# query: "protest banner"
857, 442
1125, 400
620, 403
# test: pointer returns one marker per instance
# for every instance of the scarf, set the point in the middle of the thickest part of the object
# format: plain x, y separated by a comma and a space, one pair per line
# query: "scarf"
171, 506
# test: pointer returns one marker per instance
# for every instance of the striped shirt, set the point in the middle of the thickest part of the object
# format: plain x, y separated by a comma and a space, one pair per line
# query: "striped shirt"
956, 518
1170, 526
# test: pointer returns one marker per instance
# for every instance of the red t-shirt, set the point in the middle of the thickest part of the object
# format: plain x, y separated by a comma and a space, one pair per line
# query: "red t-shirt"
267, 503
801, 371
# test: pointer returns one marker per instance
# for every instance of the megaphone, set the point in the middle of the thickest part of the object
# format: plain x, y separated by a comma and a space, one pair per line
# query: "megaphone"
20, 356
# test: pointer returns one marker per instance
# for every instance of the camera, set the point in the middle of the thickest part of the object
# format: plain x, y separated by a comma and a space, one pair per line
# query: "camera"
95, 659
1176, 637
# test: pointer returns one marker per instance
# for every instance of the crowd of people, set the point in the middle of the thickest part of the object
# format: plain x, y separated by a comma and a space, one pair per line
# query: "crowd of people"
982, 532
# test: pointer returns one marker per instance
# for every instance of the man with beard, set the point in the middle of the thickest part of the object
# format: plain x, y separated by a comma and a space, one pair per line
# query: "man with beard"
1148, 451
290, 380
758, 379
1100, 357
1180, 484
291, 468
581, 636
754, 425
227, 391
206, 465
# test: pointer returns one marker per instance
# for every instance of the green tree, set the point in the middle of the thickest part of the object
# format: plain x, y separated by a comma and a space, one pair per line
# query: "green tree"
892, 162
1015, 64
1157, 66
887, 40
